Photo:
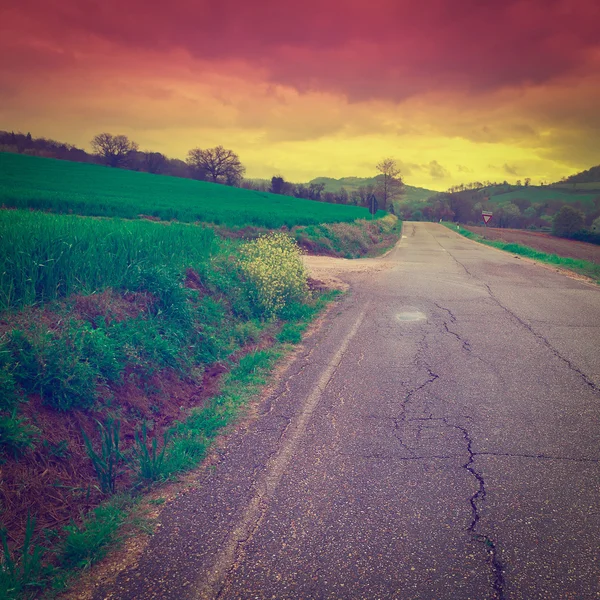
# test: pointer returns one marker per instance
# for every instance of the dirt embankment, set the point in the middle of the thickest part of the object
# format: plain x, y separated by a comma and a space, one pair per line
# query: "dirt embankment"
543, 242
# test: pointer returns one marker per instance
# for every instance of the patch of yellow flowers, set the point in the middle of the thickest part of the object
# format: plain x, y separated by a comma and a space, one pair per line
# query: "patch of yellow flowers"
273, 267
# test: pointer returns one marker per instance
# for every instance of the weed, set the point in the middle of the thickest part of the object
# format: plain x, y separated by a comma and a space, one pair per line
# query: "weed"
60, 450
16, 436
150, 460
108, 463
21, 576
291, 333
87, 543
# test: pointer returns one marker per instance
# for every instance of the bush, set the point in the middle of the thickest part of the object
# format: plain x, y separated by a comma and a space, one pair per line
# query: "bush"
273, 268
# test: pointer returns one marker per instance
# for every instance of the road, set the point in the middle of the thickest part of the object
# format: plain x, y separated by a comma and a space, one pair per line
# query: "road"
438, 437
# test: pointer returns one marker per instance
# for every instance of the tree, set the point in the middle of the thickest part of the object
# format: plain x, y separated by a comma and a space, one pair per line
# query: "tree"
596, 225
153, 162
391, 182
218, 164
113, 149
567, 221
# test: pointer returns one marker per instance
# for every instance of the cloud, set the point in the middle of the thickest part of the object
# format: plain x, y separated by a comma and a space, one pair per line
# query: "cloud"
510, 169
437, 171
388, 49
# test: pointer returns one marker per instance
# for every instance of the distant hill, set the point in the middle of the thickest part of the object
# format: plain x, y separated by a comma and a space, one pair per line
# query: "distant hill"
412, 193
590, 176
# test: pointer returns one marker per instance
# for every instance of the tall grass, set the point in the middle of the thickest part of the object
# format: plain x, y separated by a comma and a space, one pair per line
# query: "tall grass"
44, 257
93, 190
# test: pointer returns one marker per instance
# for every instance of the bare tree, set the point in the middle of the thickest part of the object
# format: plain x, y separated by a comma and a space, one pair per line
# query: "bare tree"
219, 164
391, 183
113, 149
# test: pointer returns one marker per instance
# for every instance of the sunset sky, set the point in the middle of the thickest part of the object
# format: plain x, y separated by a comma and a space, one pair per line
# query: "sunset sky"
456, 90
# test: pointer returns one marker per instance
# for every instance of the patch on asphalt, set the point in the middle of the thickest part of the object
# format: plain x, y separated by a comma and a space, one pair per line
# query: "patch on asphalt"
411, 315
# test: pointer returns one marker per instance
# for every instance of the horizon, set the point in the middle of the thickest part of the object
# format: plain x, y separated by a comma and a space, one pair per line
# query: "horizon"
455, 93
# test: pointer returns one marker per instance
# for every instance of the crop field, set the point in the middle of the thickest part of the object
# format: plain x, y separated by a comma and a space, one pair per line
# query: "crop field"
587, 186
44, 257
92, 190
543, 194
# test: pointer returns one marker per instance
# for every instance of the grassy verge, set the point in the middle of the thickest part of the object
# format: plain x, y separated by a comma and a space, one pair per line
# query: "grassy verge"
583, 267
50, 562
350, 240
125, 347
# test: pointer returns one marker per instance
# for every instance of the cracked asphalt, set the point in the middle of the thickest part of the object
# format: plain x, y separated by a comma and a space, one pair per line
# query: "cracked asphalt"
439, 437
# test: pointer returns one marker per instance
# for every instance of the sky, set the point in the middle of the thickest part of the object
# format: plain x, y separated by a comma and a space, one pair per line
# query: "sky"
454, 90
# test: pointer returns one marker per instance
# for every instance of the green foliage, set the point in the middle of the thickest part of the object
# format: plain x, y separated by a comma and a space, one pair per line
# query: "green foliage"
44, 257
150, 461
21, 573
274, 270
86, 544
350, 240
16, 435
55, 366
567, 221
61, 186
107, 463
291, 333
8, 389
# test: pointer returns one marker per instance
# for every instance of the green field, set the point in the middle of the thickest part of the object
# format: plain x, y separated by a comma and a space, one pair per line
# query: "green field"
66, 187
44, 257
539, 194
587, 186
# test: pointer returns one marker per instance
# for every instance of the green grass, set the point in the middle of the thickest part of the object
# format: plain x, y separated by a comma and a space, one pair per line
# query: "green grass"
583, 267
542, 194
44, 256
189, 441
588, 185
93, 190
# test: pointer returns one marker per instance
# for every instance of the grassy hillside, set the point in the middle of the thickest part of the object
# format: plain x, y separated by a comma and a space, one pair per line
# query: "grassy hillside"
411, 193
65, 187
536, 194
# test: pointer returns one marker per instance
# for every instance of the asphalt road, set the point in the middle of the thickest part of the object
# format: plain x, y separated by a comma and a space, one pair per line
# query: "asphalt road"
438, 438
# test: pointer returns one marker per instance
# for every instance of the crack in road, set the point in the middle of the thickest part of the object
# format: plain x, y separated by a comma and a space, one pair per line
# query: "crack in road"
524, 324
542, 339
476, 500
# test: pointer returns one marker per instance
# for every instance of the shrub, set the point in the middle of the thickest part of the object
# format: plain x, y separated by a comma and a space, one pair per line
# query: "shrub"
273, 268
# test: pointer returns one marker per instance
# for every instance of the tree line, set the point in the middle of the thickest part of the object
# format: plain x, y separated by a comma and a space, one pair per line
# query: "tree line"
578, 219
217, 165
